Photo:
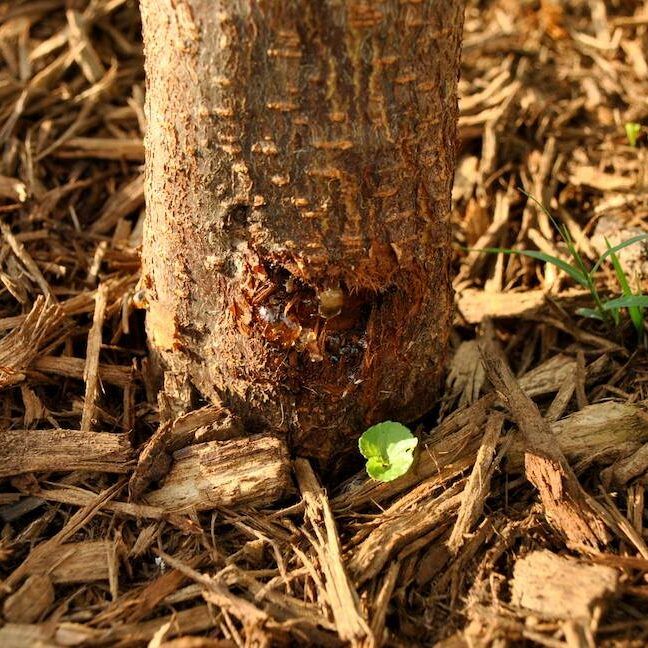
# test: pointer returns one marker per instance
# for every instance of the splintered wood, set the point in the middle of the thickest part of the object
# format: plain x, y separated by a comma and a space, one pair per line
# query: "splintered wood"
18, 349
91, 370
564, 501
254, 471
478, 485
560, 587
23, 451
341, 594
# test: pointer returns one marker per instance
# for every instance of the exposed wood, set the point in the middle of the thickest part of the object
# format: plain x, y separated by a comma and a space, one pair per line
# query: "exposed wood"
23, 255
478, 485
561, 587
31, 601
597, 434
71, 526
18, 349
564, 501
91, 369
254, 471
123, 202
24, 451
102, 148
399, 528
209, 423
71, 367
342, 596
631, 467
48, 635
477, 305
78, 562
84, 53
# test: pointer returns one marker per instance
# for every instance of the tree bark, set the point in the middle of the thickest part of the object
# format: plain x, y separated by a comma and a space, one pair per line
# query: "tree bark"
300, 159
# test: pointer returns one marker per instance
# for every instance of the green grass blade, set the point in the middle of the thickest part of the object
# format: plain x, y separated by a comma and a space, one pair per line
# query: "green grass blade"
544, 209
589, 312
575, 255
616, 248
626, 302
576, 274
635, 312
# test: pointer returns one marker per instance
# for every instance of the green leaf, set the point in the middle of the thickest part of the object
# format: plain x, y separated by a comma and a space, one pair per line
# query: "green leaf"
616, 248
633, 130
388, 448
574, 273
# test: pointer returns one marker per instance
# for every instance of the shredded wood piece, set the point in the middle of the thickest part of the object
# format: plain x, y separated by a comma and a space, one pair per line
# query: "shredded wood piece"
24, 451
21, 253
253, 471
123, 202
18, 349
31, 601
478, 485
561, 587
564, 501
341, 594
78, 562
84, 53
91, 369
73, 524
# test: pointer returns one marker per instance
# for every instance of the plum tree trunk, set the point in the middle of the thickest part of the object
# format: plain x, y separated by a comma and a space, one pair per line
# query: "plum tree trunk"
300, 158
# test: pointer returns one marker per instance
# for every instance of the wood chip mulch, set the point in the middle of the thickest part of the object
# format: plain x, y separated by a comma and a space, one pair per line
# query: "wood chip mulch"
523, 521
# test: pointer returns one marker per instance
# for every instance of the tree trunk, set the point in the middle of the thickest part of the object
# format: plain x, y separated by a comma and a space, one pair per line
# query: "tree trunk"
300, 160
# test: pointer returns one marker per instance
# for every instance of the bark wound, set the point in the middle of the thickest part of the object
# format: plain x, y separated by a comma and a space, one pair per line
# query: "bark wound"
299, 164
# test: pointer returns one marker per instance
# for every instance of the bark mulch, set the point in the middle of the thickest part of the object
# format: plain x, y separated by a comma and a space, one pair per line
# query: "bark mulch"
523, 521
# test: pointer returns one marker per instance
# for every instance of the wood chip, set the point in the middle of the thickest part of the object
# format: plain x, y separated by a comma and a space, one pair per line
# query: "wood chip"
19, 348
559, 587
84, 53
122, 203
341, 595
23, 451
254, 471
597, 434
78, 562
564, 501
477, 305
91, 370
31, 601
478, 486
395, 531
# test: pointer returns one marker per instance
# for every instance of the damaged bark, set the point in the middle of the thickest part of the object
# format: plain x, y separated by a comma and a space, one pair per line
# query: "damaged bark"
299, 166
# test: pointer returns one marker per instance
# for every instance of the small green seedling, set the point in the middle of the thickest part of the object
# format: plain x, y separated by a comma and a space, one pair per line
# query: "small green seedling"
633, 130
389, 450
604, 310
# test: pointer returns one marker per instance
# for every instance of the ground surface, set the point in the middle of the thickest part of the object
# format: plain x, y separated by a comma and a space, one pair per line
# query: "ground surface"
478, 545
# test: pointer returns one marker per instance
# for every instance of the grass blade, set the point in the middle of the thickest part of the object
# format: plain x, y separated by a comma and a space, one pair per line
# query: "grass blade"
626, 302
616, 248
589, 312
635, 312
576, 274
544, 209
